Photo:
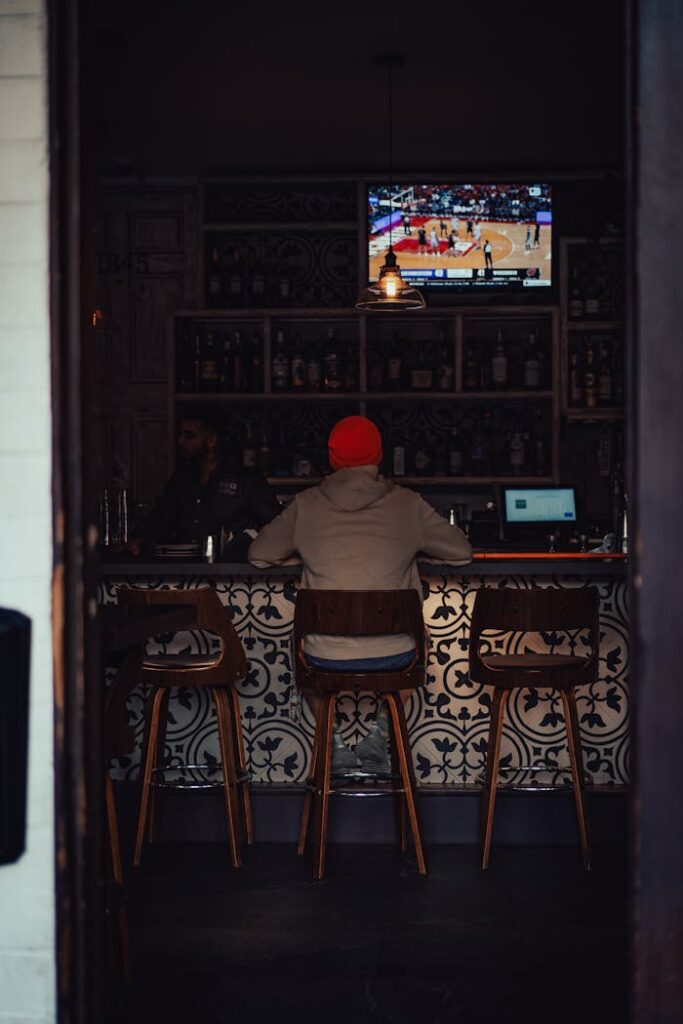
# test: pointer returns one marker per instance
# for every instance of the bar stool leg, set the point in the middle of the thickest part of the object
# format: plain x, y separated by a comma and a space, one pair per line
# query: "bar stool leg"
114, 845
399, 798
244, 786
220, 700
158, 763
576, 759
150, 757
322, 784
407, 774
308, 795
491, 774
117, 875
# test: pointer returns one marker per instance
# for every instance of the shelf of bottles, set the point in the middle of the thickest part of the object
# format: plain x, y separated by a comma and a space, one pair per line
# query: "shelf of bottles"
592, 329
458, 397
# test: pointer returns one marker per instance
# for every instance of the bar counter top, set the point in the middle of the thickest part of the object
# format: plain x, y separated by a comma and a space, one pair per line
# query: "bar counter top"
491, 563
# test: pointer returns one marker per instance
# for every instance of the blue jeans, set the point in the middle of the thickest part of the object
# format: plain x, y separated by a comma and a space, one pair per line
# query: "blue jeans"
389, 663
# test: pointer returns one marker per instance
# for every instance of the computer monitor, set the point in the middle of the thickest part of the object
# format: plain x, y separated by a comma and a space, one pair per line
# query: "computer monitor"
528, 505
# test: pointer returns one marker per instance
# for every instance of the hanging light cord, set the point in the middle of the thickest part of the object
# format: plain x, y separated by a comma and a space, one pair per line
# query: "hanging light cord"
390, 69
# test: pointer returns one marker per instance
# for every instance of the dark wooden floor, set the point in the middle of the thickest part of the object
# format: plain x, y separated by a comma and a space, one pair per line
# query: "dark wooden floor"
534, 939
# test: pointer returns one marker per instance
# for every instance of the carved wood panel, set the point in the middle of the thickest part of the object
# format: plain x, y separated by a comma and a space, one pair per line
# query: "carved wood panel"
148, 265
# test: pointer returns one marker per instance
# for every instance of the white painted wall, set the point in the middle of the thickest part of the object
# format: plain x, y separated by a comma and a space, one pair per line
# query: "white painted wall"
27, 959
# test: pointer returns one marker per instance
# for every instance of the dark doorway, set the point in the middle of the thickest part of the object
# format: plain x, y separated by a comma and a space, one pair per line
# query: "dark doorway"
86, 145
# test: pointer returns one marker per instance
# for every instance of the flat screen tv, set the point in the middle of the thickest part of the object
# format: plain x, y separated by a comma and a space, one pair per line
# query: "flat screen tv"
463, 237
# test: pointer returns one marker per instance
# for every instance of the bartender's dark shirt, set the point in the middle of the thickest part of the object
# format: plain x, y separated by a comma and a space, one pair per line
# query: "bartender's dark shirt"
235, 499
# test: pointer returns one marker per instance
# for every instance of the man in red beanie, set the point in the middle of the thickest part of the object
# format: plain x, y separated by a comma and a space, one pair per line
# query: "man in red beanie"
358, 531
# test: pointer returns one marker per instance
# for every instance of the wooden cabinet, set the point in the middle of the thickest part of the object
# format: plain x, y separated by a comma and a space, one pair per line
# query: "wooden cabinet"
592, 330
147, 268
467, 380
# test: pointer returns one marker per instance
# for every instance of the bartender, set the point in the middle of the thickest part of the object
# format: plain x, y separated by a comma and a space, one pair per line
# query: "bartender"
208, 494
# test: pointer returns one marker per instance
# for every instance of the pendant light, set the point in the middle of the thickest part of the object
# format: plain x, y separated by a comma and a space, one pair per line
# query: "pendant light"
390, 293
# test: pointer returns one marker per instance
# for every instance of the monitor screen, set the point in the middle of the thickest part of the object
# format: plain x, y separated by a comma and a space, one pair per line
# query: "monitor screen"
540, 505
463, 236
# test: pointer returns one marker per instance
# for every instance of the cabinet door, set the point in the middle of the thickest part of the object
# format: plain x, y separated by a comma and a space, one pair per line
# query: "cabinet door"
147, 269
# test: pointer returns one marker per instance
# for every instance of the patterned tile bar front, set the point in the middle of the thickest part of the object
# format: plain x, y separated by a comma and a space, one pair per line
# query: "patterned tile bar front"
448, 718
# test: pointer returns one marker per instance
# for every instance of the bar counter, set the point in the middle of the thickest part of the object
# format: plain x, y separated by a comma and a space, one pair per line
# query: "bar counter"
447, 719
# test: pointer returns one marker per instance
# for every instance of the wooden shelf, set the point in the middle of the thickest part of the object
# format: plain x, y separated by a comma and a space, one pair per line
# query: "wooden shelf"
593, 414
350, 312
595, 325
362, 396
466, 396
452, 481
272, 227
274, 396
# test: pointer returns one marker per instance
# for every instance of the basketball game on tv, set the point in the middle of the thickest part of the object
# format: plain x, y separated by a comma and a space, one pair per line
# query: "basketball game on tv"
463, 236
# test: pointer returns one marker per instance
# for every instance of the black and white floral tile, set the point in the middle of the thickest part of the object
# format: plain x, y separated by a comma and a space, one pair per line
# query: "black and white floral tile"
448, 719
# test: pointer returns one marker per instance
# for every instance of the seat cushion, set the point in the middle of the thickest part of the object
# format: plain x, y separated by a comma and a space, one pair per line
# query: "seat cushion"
179, 662
533, 662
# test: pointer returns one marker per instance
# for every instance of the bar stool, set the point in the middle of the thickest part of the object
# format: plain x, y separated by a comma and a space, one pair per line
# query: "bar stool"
359, 613
524, 611
218, 673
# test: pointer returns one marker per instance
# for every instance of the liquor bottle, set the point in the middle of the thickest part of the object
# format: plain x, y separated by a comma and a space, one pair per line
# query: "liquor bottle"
238, 368
471, 377
538, 435
421, 374
210, 365
422, 460
280, 374
590, 380
235, 280
441, 453
302, 465
624, 527
255, 373
444, 369
478, 450
532, 364
257, 284
226, 364
395, 365
298, 367
248, 446
456, 454
376, 373
592, 304
348, 370
314, 372
214, 281
604, 378
284, 283
576, 307
499, 363
618, 379
185, 367
574, 380
197, 364
263, 459
331, 361
517, 453
398, 460
484, 375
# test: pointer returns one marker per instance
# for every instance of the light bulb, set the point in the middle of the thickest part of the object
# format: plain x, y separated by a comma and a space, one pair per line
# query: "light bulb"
391, 287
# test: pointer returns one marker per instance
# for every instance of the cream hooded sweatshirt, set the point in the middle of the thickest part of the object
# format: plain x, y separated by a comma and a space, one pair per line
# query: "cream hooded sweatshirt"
359, 531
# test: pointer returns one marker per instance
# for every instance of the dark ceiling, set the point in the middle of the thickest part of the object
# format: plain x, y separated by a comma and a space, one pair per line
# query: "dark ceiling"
193, 87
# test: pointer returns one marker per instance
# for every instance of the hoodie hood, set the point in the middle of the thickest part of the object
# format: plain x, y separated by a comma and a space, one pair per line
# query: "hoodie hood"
355, 488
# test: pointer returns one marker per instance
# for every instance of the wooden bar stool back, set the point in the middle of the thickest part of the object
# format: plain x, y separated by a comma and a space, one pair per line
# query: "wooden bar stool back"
535, 610
217, 672
359, 613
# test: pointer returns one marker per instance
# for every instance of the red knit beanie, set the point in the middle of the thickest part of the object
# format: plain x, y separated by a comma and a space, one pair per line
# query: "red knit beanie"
354, 441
